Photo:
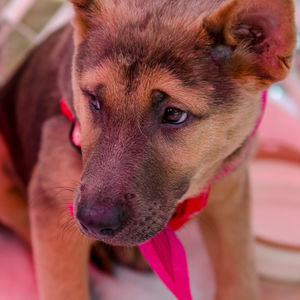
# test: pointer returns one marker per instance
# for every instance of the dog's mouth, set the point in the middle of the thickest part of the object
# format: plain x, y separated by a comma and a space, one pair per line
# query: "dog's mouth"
121, 223
130, 233
126, 214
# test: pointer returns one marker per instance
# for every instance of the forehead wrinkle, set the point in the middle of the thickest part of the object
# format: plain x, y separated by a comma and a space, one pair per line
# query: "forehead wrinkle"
139, 98
199, 76
114, 95
171, 47
173, 43
193, 98
107, 75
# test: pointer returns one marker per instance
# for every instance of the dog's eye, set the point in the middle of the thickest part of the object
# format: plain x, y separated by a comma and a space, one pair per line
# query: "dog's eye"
94, 102
175, 116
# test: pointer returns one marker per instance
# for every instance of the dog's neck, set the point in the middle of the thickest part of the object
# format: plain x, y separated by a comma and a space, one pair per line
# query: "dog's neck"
220, 168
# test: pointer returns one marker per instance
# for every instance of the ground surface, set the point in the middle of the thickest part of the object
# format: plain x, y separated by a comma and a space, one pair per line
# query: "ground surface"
17, 276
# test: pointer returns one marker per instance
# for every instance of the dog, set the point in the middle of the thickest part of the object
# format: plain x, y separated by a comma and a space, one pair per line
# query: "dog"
166, 94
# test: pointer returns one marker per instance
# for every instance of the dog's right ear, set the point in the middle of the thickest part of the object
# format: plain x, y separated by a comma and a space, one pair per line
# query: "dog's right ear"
85, 12
253, 39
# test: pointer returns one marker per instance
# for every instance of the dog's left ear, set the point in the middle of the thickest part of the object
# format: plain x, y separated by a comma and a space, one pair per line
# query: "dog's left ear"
86, 12
253, 39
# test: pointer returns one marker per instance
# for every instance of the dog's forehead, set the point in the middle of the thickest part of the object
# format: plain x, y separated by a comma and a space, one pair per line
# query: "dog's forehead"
142, 92
135, 58
136, 47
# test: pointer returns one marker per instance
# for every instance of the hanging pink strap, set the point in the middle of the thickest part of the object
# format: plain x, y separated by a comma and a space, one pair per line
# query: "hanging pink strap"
166, 256
165, 253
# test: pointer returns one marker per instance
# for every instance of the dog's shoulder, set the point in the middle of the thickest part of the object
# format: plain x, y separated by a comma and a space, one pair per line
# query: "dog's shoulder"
32, 96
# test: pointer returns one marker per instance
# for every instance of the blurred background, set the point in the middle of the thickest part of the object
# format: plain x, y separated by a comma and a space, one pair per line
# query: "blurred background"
275, 172
25, 23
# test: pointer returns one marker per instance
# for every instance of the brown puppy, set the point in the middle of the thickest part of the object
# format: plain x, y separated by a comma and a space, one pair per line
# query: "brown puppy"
166, 93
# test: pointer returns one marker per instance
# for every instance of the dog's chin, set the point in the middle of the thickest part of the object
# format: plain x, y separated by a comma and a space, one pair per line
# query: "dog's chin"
126, 237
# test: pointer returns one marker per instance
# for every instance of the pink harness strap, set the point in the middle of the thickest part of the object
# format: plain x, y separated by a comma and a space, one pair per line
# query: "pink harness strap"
164, 252
166, 256
188, 209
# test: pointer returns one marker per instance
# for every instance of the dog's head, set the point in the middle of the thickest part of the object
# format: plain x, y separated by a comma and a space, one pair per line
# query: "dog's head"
164, 92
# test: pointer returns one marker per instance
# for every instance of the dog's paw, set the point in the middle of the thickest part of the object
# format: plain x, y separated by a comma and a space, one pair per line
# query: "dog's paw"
101, 257
130, 257
105, 256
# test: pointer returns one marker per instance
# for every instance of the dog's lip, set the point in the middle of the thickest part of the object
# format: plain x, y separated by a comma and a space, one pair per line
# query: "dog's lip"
117, 240
91, 233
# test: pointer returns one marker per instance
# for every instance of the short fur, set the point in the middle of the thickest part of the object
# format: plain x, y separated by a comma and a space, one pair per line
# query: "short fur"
136, 58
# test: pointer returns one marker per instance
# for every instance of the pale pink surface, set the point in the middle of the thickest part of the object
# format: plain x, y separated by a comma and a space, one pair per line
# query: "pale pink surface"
276, 201
16, 269
276, 184
17, 274
279, 127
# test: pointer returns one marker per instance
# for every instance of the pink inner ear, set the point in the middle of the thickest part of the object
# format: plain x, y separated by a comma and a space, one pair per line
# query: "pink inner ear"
253, 34
256, 27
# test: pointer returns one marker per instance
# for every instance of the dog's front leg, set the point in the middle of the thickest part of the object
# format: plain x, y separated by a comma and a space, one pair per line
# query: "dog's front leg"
226, 227
13, 205
61, 253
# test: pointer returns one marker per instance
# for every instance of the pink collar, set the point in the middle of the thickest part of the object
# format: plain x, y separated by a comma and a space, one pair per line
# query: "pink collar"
164, 252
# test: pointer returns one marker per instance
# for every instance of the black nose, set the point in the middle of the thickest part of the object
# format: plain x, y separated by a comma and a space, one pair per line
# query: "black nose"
101, 218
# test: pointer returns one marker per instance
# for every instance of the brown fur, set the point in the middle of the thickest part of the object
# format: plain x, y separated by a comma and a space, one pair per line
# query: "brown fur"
14, 213
210, 58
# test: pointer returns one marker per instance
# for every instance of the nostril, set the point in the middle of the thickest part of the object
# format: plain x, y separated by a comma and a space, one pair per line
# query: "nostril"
107, 231
101, 218
129, 196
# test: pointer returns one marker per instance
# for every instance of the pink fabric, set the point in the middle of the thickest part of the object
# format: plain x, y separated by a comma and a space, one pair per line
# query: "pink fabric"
188, 209
71, 209
276, 173
76, 136
279, 135
164, 252
234, 164
64, 109
262, 111
166, 256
